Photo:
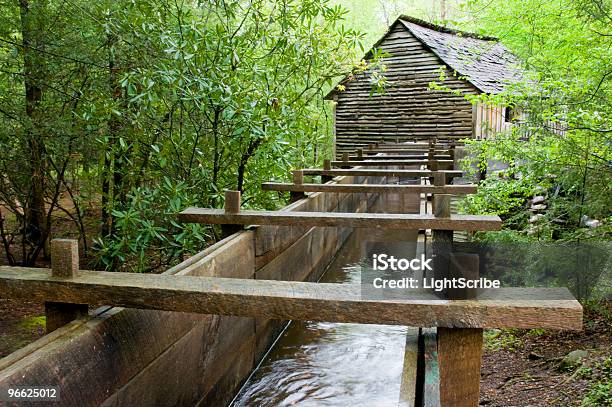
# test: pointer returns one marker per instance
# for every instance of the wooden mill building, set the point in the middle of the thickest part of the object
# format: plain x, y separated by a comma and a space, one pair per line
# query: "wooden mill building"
420, 53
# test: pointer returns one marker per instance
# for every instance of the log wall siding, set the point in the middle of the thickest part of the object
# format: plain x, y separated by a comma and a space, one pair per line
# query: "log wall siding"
151, 358
409, 110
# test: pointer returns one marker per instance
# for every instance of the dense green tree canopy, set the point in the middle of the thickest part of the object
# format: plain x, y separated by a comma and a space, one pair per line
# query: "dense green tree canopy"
566, 49
115, 115
135, 109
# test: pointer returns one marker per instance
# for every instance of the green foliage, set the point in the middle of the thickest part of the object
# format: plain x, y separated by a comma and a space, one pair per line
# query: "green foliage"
562, 145
33, 324
600, 390
147, 235
147, 103
502, 339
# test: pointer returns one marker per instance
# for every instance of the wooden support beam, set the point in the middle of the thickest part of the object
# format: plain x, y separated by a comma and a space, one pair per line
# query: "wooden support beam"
442, 245
463, 265
459, 360
345, 161
388, 162
326, 167
232, 202
64, 264
431, 370
403, 150
339, 219
231, 206
298, 177
439, 179
371, 188
497, 308
408, 386
375, 172
402, 157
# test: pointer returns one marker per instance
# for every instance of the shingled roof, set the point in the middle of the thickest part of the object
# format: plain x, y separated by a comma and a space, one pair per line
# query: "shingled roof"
483, 61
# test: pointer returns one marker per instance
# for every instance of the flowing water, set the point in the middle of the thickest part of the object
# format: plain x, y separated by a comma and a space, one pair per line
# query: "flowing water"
334, 364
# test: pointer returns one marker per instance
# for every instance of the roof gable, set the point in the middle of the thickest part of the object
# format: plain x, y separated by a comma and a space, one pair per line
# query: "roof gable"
482, 60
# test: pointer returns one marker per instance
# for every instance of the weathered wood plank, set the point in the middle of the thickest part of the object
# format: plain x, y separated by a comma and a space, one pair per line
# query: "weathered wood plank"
340, 219
408, 387
116, 349
374, 188
389, 162
499, 308
379, 173
401, 157
431, 379
459, 359
64, 263
371, 153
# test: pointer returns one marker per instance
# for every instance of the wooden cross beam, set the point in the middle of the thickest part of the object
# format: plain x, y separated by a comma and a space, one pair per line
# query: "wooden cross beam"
402, 157
388, 162
500, 308
402, 150
338, 219
370, 188
379, 173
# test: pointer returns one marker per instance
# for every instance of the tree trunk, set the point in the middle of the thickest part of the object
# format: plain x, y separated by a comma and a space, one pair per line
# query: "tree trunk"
216, 158
244, 159
32, 14
112, 169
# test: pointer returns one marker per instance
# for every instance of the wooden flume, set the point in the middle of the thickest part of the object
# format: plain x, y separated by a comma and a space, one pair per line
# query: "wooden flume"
458, 343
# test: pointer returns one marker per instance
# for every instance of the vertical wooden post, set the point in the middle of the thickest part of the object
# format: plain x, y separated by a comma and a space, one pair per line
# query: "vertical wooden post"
232, 202
433, 165
464, 265
298, 179
326, 167
64, 264
459, 350
442, 239
459, 360
232, 205
439, 179
345, 157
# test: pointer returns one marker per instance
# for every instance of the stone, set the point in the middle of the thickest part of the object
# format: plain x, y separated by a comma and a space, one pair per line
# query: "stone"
573, 359
535, 218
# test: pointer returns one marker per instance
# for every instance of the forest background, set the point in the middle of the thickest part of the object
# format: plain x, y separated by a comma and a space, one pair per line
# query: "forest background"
116, 115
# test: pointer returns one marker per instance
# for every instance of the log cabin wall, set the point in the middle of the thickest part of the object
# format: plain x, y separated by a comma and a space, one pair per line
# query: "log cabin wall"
409, 110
